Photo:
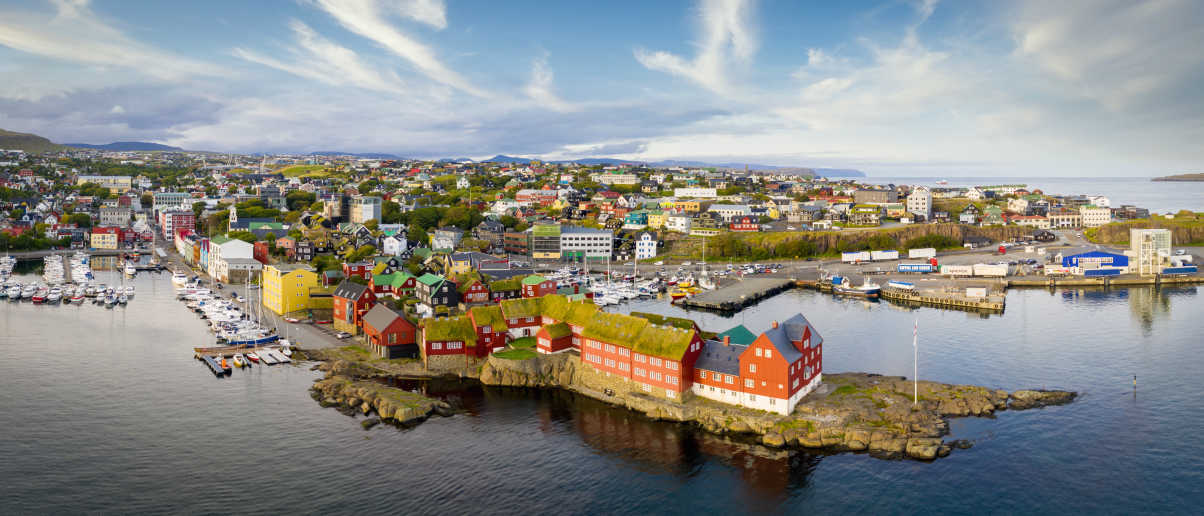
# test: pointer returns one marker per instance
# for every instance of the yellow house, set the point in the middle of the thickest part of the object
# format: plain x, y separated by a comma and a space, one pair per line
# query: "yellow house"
656, 219
286, 287
560, 204
104, 240
457, 263
688, 206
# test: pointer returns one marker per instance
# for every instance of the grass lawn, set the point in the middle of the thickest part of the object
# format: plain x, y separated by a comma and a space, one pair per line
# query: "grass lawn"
523, 343
302, 170
516, 354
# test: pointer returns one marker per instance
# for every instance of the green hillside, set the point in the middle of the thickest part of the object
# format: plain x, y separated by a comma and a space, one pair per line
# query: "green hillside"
30, 143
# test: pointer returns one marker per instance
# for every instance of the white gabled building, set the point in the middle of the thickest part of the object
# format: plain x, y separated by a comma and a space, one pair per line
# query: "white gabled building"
645, 246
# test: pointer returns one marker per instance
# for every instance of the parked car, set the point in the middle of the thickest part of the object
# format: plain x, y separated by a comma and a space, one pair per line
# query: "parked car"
1180, 252
342, 335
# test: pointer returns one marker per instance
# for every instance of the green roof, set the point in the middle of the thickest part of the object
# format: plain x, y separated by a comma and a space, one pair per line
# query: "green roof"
739, 335
430, 280
534, 279
265, 225
558, 330
507, 284
451, 329
526, 307
676, 322
489, 316
562, 309
640, 335
220, 239
422, 252
546, 230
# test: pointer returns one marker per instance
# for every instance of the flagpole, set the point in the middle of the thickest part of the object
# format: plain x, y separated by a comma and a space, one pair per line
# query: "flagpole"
915, 363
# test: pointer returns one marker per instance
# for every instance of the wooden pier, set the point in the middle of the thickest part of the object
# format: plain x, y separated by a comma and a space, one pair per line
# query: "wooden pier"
737, 295
993, 303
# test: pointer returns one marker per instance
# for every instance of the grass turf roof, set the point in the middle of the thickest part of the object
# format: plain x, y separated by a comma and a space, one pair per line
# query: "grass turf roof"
561, 308
489, 316
676, 322
640, 335
507, 284
526, 307
451, 329
558, 330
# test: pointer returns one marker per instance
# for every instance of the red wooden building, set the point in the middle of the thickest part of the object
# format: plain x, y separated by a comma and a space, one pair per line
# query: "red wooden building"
538, 286
474, 292
350, 301
490, 328
389, 335
554, 338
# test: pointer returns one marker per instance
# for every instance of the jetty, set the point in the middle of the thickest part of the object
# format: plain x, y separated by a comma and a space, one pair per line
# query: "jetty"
214, 365
947, 299
738, 294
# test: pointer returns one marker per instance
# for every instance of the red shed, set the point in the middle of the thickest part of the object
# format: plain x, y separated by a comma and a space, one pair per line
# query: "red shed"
554, 338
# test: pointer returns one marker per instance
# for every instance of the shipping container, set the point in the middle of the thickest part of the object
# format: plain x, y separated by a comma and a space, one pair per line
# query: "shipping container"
926, 252
1096, 273
878, 256
861, 256
1186, 269
990, 269
902, 285
915, 267
957, 270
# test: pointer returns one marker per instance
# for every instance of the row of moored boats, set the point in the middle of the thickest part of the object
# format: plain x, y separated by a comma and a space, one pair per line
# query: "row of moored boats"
246, 342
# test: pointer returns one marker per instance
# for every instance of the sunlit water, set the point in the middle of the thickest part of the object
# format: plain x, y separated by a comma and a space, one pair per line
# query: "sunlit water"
106, 410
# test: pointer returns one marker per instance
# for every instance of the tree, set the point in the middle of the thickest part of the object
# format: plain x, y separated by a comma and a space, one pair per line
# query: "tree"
245, 236
372, 224
390, 212
82, 220
366, 187
198, 208
417, 234
299, 199
147, 200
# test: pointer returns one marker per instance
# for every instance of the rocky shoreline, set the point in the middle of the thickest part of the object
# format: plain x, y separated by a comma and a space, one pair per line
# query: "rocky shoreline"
858, 412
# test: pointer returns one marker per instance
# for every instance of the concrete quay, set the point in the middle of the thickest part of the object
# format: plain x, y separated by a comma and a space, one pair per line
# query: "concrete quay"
738, 294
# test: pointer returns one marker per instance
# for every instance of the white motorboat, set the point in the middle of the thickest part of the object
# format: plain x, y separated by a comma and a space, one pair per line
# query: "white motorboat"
179, 278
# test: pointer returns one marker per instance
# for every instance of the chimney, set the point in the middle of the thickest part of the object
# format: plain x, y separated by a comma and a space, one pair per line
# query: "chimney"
775, 325
727, 340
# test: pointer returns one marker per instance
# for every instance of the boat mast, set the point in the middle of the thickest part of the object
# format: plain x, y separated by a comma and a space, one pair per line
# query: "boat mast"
915, 363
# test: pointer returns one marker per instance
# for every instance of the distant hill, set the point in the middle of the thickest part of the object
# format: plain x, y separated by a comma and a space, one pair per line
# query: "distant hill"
1181, 177
826, 172
30, 143
363, 155
125, 146
838, 172
502, 158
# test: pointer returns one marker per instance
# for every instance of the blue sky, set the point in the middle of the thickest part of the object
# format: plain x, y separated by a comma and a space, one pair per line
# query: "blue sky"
903, 87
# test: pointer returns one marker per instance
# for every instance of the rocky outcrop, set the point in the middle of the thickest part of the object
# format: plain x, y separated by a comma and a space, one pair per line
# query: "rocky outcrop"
389, 403
1027, 399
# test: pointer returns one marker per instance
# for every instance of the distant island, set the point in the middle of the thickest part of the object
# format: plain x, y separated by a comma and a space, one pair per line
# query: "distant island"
125, 146
1181, 177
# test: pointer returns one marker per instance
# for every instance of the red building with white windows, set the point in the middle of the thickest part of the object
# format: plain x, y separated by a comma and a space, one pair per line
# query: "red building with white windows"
745, 223
538, 286
772, 372
474, 291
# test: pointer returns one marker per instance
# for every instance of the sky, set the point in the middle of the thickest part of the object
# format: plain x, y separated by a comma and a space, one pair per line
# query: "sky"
897, 87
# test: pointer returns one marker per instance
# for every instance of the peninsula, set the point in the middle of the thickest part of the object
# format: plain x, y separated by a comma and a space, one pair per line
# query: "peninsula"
1181, 177
848, 412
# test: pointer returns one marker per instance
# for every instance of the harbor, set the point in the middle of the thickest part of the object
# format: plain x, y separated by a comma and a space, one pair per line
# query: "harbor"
734, 295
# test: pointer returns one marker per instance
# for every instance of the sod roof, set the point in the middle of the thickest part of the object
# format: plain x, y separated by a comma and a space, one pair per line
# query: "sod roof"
560, 308
526, 307
489, 316
534, 279
558, 330
507, 284
640, 335
676, 322
451, 329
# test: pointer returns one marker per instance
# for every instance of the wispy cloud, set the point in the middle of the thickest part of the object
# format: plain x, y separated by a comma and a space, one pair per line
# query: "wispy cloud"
540, 87
322, 60
727, 36
370, 19
75, 33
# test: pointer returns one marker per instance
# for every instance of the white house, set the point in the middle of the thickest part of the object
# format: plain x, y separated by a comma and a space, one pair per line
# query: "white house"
680, 223
229, 250
919, 202
645, 246
462, 183
393, 245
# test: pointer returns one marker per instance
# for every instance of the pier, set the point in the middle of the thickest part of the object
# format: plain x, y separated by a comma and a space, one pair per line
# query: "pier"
994, 303
214, 366
738, 294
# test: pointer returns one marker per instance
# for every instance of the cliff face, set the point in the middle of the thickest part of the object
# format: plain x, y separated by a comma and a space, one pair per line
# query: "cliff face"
801, 244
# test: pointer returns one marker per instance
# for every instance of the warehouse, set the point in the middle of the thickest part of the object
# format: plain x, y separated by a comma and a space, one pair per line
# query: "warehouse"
1087, 258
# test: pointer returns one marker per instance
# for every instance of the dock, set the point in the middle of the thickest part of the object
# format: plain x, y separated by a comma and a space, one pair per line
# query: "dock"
214, 366
992, 303
737, 294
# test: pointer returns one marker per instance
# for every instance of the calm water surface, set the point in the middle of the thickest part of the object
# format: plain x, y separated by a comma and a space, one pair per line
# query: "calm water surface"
106, 411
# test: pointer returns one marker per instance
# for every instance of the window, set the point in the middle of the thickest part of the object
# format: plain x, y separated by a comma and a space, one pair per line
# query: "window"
769, 353
752, 368
729, 379
487, 329
748, 383
716, 376
758, 352
437, 345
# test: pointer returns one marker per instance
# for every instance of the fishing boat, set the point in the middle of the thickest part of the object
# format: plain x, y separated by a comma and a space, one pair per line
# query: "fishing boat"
239, 360
842, 286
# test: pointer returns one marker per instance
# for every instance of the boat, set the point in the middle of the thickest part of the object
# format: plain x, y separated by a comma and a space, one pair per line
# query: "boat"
78, 296
942, 182
286, 350
130, 270
110, 300
239, 360
29, 291
54, 296
122, 299
253, 357
129, 291
179, 278
842, 286
39, 296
